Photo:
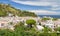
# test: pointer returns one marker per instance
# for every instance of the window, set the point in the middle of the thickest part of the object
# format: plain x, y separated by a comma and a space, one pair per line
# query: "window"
2, 24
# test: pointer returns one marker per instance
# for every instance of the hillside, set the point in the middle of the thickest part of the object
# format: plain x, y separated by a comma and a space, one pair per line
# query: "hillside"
5, 9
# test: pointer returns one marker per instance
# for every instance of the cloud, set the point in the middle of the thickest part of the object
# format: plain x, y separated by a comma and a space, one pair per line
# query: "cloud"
55, 5
45, 12
38, 2
33, 3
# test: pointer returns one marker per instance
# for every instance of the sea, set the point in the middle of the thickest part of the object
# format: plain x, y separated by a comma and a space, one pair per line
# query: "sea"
53, 16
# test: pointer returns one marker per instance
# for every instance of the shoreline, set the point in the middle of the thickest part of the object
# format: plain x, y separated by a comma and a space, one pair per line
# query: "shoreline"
53, 16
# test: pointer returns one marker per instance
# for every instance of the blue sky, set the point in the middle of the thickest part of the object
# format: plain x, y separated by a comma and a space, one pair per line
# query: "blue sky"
39, 7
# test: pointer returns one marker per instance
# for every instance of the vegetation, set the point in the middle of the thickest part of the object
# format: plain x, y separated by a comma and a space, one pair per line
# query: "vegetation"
21, 30
55, 19
5, 9
30, 22
47, 29
44, 19
57, 29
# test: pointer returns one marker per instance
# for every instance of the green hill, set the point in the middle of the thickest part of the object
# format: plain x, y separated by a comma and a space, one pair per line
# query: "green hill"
5, 9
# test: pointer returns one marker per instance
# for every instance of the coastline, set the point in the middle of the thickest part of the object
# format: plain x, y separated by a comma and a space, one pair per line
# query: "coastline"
53, 16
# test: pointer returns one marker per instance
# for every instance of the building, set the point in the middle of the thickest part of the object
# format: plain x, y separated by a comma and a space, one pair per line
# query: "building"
9, 22
48, 23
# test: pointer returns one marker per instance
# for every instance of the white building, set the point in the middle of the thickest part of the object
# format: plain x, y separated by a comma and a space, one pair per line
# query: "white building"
5, 21
57, 23
48, 23
39, 27
3, 24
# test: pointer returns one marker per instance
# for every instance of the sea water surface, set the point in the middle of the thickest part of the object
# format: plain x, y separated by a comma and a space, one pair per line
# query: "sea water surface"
53, 16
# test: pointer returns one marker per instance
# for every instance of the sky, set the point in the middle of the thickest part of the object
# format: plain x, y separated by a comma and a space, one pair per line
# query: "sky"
39, 7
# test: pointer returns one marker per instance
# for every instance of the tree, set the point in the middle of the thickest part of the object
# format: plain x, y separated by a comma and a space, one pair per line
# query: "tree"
44, 19
54, 19
6, 32
46, 29
57, 29
30, 22
11, 23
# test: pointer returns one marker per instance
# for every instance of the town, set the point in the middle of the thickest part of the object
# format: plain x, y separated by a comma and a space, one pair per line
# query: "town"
10, 21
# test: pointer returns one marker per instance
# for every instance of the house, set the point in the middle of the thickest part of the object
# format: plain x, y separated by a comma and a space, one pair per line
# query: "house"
3, 24
48, 23
57, 23
39, 27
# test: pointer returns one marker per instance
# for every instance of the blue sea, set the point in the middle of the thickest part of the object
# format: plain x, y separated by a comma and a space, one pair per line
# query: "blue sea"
53, 16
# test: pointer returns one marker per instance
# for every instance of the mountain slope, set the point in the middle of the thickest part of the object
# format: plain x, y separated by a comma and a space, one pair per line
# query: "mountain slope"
5, 9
